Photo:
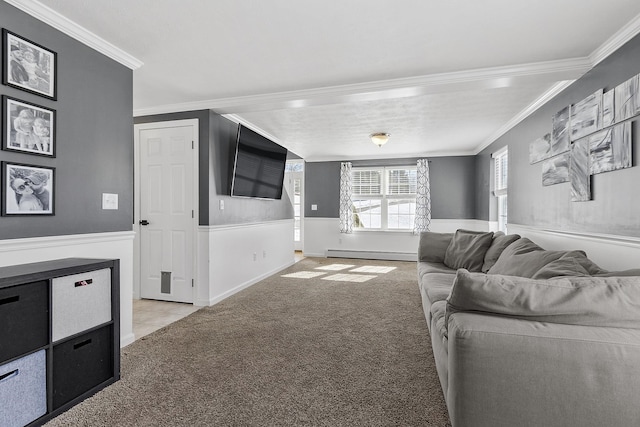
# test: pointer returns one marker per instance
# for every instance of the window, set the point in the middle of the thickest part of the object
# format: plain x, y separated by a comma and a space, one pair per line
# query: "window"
384, 198
501, 166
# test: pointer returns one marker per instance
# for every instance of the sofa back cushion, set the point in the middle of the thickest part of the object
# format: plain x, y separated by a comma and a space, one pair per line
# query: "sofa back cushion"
589, 301
498, 245
468, 249
524, 258
433, 246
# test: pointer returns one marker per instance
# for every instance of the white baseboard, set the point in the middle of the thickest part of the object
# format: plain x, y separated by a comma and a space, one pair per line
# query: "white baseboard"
382, 255
610, 252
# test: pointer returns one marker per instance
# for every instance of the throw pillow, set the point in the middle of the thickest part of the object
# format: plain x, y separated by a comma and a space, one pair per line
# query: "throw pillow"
597, 301
467, 249
432, 246
524, 258
498, 244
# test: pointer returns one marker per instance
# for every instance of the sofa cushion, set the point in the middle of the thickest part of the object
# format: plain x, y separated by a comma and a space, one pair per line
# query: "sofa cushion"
498, 245
589, 301
467, 249
438, 286
425, 268
524, 258
432, 246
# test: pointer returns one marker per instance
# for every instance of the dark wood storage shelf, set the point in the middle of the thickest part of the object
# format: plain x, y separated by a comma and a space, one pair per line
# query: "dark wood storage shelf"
78, 363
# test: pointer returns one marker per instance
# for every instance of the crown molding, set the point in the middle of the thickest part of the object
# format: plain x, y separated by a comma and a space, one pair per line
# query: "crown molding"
484, 78
615, 42
70, 28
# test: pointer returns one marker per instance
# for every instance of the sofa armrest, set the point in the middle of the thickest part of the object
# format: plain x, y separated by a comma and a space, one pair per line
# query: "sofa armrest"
506, 371
433, 246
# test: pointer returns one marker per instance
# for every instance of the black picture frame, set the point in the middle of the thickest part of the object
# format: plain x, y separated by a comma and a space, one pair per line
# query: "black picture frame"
27, 190
28, 128
28, 66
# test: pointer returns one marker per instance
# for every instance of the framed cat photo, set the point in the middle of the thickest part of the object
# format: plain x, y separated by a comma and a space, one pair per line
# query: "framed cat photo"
28, 66
27, 189
28, 128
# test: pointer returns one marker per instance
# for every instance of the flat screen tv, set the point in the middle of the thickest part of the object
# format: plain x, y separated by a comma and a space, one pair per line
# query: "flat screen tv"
258, 169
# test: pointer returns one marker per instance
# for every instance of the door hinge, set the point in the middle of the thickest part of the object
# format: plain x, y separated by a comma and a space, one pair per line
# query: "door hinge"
193, 214
193, 145
192, 281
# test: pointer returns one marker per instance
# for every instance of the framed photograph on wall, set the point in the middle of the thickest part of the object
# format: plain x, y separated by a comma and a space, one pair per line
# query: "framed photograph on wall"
28, 66
27, 189
28, 127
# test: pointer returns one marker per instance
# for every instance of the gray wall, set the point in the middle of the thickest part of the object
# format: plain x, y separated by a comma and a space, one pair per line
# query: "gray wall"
615, 205
217, 137
452, 186
94, 143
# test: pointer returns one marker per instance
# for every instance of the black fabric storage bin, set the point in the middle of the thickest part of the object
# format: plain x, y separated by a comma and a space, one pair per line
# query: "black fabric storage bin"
81, 363
24, 316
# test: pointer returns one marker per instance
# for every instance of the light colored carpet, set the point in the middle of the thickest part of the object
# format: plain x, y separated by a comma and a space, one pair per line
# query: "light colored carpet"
285, 352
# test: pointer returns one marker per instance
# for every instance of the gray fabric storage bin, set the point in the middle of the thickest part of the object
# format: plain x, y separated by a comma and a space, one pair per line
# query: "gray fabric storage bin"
23, 390
80, 302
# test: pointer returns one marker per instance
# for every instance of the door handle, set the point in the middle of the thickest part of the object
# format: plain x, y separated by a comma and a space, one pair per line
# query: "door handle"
144, 222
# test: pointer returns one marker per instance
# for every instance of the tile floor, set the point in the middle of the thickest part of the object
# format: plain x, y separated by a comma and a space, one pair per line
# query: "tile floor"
151, 315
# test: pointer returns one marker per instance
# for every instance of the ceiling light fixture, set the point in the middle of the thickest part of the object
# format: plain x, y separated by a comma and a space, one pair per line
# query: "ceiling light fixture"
379, 138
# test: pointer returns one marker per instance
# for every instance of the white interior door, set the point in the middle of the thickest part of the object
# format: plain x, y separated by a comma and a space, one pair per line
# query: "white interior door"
167, 212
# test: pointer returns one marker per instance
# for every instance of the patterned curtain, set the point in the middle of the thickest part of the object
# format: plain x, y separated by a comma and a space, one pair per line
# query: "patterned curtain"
423, 198
346, 204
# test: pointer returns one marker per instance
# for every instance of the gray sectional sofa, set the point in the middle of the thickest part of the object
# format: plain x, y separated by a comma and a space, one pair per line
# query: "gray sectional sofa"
527, 337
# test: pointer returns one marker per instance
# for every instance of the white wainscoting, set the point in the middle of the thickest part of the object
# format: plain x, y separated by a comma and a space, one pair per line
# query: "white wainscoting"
233, 257
608, 251
99, 245
322, 237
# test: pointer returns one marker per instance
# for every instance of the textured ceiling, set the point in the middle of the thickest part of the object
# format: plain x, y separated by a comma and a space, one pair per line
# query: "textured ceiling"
441, 76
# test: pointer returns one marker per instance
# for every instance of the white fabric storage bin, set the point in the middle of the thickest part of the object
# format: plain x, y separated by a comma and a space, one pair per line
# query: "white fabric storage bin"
80, 302
23, 390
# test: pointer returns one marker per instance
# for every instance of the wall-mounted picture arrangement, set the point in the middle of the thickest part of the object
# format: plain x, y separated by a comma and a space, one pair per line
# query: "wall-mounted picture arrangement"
556, 170
27, 189
28, 66
28, 127
540, 149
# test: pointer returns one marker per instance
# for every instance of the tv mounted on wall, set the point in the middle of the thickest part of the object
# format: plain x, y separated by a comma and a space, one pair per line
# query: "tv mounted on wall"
258, 169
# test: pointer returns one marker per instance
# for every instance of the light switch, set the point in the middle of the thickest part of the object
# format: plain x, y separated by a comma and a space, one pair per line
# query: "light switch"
109, 201
314, 207
221, 204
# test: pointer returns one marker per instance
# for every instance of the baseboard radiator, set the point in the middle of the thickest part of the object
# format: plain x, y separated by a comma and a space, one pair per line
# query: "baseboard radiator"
382, 255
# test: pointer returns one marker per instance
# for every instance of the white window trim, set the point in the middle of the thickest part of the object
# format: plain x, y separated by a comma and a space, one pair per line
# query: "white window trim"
384, 207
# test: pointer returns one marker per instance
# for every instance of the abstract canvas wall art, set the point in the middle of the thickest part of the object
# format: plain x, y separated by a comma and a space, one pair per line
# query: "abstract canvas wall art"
540, 149
608, 111
585, 115
626, 99
610, 149
556, 170
579, 171
560, 131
